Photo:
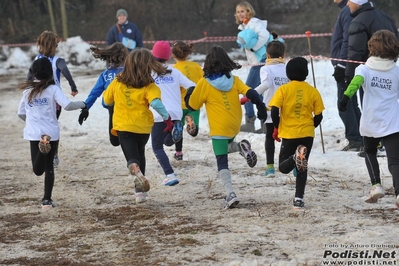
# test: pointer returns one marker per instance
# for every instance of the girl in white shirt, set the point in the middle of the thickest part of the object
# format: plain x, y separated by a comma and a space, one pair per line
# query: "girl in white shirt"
379, 78
38, 109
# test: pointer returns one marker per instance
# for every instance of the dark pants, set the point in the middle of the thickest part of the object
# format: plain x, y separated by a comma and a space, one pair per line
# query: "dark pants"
351, 117
391, 143
269, 143
113, 139
287, 162
133, 147
43, 163
253, 80
157, 140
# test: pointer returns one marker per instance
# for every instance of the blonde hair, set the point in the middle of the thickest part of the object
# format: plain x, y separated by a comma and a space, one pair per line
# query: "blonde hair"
47, 42
248, 7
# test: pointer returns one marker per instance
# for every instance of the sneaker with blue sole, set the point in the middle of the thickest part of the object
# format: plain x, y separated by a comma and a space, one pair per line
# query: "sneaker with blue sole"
177, 131
171, 180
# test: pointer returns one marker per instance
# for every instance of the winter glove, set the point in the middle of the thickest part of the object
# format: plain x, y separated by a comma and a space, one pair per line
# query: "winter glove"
275, 135
339, 74
169, 125
343, 103
262, 114
84, 114
244, 100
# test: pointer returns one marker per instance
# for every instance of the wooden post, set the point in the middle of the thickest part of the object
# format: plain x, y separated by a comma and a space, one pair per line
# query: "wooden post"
64, 20
51, 13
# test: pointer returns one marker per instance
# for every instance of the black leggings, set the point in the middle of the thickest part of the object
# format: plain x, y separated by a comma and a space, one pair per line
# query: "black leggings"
43, 163
269, 143
391, 143
287, 162
133, 147
113, 139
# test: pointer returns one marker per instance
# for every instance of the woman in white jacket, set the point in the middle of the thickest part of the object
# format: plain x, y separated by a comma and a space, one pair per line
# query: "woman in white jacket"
255, 52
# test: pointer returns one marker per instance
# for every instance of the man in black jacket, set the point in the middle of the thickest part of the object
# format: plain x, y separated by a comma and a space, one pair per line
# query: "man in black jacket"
366, 20
339, 50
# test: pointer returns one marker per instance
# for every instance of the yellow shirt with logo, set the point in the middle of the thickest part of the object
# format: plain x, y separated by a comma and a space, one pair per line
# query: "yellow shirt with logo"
223, 108
131, 106
192, 71
298, 103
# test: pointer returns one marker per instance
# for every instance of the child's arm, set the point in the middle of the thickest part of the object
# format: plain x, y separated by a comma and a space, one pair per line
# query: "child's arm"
355, 84
255, 98
160, 108
61, 65
317, 119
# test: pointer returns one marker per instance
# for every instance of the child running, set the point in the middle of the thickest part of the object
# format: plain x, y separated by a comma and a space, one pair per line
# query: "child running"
292, 109
379, 78
47, 43
193, 71
38, 109
170, 85
272, 76
132, 92
219, 90
115, 56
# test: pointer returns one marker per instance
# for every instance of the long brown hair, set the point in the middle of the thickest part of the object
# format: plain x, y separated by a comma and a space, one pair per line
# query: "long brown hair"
218, 62
115, 53
47, 42
36, 87
139, 65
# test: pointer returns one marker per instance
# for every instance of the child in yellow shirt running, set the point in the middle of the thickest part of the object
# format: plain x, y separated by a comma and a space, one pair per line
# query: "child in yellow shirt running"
292, 108
132, 92
219, 90
193, 71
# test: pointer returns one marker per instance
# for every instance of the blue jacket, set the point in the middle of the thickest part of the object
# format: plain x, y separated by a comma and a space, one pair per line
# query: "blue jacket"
105, 78
248, 38
340, 36
129, 30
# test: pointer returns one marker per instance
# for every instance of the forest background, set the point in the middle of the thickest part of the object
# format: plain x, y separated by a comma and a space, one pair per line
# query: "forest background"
21, 21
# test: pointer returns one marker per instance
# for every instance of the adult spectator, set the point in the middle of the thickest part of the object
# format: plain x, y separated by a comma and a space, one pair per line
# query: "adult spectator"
366, 20
339, 50
125, 32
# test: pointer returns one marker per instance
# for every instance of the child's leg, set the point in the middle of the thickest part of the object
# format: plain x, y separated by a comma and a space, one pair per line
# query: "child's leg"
43, 163
269, 144
286, 156
157, 142
113, 139
373, 168
220, 149
391, 144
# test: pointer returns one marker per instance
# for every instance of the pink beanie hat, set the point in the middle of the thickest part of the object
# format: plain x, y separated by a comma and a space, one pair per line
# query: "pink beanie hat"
359, 2
161, 50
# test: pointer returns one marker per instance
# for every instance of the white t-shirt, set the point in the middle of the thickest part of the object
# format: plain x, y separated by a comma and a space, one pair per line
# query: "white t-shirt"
170, 93
380, 114
40, 114
271, 77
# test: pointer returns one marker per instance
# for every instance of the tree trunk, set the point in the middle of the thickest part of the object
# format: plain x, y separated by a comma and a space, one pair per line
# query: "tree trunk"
51, 13
64, 20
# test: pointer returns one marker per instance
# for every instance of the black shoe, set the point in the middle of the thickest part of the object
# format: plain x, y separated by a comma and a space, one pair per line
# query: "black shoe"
178, 157
47, 204
353, 146
298, 204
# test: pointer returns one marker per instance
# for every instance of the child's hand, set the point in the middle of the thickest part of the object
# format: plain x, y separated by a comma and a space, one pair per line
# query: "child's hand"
244, 100
275, 135
343, 103
169, 125
74, 93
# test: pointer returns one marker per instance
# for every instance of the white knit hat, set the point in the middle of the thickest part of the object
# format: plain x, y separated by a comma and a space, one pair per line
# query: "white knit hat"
359, 2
